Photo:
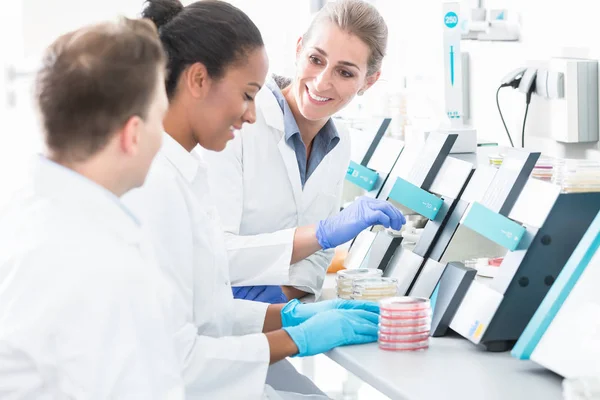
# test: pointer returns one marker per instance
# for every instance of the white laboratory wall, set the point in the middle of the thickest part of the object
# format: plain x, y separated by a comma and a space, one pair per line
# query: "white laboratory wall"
414, 52
281, 24
32, 25
44, 20
549, 29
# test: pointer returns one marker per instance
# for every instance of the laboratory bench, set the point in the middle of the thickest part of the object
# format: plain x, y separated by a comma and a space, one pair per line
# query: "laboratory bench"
451, 369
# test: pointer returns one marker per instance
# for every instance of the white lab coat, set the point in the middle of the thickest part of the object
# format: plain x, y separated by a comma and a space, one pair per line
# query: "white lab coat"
82, 312
257, 187
219, 339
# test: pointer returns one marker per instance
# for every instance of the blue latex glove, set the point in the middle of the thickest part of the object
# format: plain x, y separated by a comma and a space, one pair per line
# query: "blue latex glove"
333, 328
265, 294
294, 313
358, 216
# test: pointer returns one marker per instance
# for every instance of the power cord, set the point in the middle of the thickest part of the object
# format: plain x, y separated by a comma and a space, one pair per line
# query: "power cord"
524, 121
502, 116
523, 79
527, 101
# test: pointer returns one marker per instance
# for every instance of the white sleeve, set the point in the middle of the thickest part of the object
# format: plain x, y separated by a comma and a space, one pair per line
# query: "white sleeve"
215, 368
238, 361
249, 316
274, 250
309, 274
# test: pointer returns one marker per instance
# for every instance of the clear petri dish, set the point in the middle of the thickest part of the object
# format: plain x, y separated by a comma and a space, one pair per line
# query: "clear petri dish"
392, 232
374, 289
400, 346
372, 296
496, 159
344, 294
577, 176
405, 303
358, 273
404, 315
404, 330
405, 322
378, 284
409, 338
345, 278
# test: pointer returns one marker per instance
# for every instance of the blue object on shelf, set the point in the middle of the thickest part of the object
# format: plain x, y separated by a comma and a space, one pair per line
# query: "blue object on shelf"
496, 227
415, 198
361, 176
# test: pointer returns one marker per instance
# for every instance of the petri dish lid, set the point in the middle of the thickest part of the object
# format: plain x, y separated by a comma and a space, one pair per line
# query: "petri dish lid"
405, 303
376, 283
389, 318
405, 329
345, 285
410, 338
371, 297
404, 346
392, 232
358, 273
405, 322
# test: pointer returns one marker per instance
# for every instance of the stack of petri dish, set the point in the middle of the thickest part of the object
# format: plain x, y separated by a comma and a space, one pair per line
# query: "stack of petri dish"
345, 278
577, 176
496, 159
404, 323
544, 169
374, 289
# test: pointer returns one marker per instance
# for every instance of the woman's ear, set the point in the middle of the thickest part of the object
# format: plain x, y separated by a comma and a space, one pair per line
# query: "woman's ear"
298, 47
369, 81
197, 79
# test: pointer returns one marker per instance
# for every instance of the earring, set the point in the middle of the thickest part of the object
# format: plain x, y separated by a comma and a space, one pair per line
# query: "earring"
361, 92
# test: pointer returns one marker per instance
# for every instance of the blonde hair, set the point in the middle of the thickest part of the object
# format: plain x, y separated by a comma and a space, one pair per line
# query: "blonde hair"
358, 18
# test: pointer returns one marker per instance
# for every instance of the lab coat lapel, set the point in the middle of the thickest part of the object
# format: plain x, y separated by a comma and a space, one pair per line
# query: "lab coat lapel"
291, 164
274, 119
316, 182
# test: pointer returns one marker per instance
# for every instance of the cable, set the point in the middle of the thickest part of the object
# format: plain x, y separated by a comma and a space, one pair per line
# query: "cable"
524, 121
530, 90
502, 117
527, 101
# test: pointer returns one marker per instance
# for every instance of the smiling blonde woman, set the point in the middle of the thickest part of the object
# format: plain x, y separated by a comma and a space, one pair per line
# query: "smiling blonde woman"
284, 174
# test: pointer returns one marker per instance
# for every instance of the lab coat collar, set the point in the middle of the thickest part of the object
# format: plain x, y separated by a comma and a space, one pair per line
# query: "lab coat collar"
185, 162
80, 194
270, 107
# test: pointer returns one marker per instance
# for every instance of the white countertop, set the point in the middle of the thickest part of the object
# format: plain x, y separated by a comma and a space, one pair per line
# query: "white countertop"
451, 369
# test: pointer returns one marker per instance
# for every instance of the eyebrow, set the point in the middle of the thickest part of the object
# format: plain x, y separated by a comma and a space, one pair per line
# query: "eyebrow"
255, 84
347, 63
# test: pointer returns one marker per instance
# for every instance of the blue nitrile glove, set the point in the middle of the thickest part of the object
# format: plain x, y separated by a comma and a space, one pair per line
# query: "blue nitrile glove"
358, 216
294, 313
333, 328
265, 294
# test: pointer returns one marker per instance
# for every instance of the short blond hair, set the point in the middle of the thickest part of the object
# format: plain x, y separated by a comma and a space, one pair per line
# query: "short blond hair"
358, 18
